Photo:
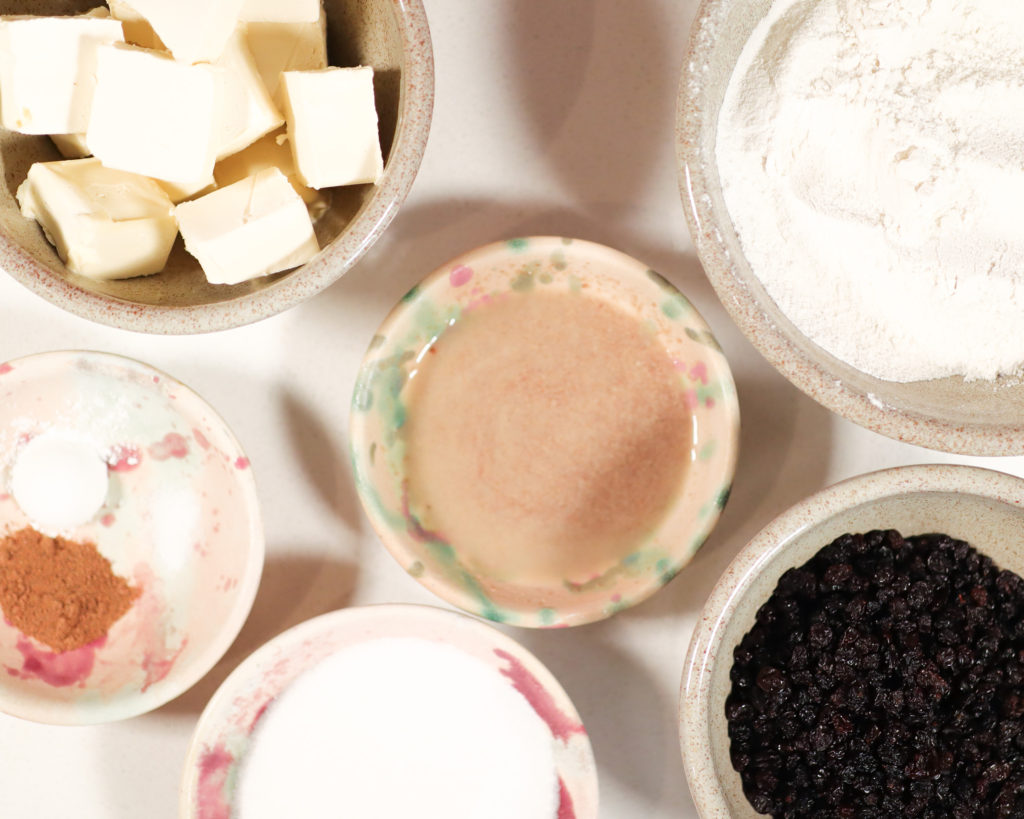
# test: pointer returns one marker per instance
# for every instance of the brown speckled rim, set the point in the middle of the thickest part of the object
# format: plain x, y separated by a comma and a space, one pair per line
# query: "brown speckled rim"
415, 112
729, 594
814, 377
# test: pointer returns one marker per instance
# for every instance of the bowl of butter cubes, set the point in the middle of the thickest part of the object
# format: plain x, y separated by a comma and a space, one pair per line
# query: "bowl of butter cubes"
183, 166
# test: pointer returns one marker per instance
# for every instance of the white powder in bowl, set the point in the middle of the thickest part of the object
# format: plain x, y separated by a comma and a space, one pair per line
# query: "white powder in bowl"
871, 154
396, 728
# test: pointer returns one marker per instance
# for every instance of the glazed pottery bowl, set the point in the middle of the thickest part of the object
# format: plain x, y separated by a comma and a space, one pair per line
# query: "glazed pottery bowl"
224, 733
380, 410
180, 523
950, 414
983, 507
391, 37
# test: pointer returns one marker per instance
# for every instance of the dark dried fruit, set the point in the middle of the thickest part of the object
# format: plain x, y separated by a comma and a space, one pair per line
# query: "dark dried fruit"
884, 678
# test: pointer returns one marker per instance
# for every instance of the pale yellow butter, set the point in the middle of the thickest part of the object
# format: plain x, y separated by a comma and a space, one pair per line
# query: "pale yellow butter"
332, 126
48, 71
249, 229
278, 46
105, 224
156, 116
194, 30
248, 112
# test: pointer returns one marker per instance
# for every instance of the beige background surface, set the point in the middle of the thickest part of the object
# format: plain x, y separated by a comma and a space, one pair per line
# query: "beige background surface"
552, 116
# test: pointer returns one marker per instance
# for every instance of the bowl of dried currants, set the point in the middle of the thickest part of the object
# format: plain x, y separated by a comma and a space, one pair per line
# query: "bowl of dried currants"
864, 656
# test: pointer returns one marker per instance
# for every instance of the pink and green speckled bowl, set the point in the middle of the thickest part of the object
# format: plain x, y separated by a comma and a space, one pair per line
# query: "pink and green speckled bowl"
556, 265
391, 36
180, 523
983, 507
225, 729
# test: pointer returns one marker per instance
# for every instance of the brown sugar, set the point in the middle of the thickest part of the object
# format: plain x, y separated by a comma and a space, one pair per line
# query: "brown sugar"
60, 592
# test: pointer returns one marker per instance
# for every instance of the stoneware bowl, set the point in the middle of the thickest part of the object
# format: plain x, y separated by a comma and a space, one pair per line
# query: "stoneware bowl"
180, 523
392, 37
951, 414
548, 264
983, 507
223, 735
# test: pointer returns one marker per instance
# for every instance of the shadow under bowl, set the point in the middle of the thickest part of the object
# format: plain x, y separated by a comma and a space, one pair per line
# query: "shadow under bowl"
390, 36
983, 507
949, 414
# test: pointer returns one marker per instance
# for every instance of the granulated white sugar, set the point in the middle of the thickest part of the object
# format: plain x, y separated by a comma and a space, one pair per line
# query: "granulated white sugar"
399, 728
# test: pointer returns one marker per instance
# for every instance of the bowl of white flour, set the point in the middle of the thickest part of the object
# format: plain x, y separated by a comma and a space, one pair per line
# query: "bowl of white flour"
853, 177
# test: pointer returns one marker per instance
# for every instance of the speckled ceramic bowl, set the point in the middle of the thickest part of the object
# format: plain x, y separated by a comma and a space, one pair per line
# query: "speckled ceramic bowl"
392, 37
224, 733
983, 507
180, 523
951, 414
553, 265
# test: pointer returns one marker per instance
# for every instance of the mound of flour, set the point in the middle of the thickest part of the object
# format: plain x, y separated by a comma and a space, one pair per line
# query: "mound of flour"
872, 160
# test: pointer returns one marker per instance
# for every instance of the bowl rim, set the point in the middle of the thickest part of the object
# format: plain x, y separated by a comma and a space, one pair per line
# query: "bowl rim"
808, 375
705, 646
528, 616
362, 619
408, 147
72, 713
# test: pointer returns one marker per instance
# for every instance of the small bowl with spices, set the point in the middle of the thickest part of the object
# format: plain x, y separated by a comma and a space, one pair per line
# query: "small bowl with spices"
864, 655
390, 711
544, 432
862, 241
130, 538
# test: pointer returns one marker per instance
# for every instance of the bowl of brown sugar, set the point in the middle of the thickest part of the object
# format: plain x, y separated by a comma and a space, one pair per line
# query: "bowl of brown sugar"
130, 538
544, 431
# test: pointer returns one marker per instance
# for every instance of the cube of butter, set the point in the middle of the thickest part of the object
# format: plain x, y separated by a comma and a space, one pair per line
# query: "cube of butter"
278, 46
137, 29
48, 71
273, 151
194, 30
281, 11
106, 224
155, 116
253, 228
248, 111
332, 126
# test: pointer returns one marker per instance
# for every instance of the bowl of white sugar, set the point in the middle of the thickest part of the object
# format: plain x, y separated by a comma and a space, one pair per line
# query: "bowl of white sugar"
194, 166
851, 177
390, 711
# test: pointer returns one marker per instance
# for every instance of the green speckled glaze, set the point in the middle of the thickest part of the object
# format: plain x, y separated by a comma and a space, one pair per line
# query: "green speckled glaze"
379, 413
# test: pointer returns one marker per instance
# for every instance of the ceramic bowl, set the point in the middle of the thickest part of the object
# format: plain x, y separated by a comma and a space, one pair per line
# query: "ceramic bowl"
180, 523
554, 265
983, 507
951, 414
224, 733
394, 39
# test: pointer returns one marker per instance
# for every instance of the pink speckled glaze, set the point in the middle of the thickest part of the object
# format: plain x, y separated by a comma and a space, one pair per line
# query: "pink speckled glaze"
180, 522
950, 414
390, 35
222, 736
983, 507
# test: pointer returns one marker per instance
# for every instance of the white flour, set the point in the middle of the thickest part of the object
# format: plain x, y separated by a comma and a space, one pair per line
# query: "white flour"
872, 160
399, 728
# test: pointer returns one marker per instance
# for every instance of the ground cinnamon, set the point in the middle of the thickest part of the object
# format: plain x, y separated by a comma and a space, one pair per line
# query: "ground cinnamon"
60, 592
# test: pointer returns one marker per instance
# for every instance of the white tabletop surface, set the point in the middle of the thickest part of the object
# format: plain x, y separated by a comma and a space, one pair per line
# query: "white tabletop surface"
552, 117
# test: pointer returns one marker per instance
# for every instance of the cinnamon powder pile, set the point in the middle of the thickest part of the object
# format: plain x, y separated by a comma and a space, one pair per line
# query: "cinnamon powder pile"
60, 592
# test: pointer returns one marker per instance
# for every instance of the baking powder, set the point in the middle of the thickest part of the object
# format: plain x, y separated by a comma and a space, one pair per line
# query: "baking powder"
395, 728
871, 154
